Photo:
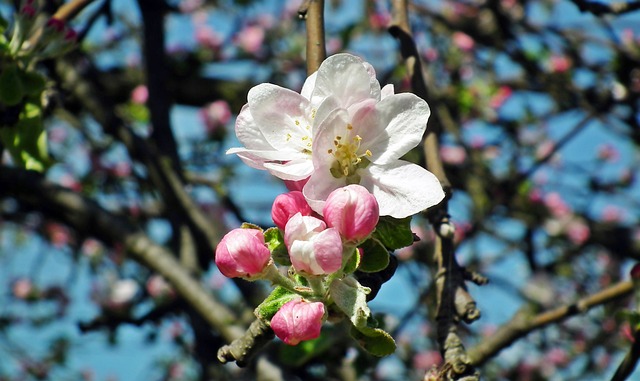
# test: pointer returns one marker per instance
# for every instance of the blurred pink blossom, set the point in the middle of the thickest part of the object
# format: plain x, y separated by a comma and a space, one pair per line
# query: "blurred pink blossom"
545, 149
334, 45
559, 63
556, 205
158, 287
140, 94
59, 235
215, 115
463, 41
578, 232
426, 359
206, 37
91, 248
251, 38
189, 6
500, 97
431, 54
557, 357
23, 288
379, 20
453, 155
611, 213
607, 152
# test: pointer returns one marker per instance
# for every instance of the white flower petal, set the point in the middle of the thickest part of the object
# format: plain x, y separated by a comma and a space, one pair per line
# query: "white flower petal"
295, 170
319, 186
248, 132
347, 78
335, 124
392, 127
387, 91
402, 188
282, 115
309, 85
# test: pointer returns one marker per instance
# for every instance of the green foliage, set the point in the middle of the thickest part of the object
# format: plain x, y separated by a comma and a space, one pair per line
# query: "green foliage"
374, 340
27, 140
298, 355
353, 262
275, 242
394, 233
375, 257
11, 90
278, 297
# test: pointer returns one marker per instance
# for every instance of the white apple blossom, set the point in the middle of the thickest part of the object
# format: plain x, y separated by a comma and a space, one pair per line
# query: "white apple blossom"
363, 145
277, 125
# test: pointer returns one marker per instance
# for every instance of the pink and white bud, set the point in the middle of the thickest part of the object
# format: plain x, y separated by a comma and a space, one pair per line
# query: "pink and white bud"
296, 185
313, 248
287, 205
353, 211
242, 253
298, 320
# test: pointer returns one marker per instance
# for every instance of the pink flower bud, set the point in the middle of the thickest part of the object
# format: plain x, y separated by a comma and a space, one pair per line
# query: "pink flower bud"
288, 204
313, 248
242, 253
298, 320
353, 211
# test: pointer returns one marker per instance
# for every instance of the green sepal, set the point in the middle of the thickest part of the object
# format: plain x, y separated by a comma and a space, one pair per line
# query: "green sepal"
249, 225
11, 91
298, 355
353, 262
26, 141
278, 297
375, 256
374, 340
394, 233
351, 298
275, 243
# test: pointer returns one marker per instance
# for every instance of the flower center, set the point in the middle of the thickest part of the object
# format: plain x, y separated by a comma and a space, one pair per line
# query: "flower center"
301, 138
348, 159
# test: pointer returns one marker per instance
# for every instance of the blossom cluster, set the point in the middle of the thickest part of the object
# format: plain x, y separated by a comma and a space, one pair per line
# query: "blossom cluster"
337, 145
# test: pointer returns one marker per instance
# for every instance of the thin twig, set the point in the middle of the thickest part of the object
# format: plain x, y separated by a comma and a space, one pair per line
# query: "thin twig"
313, 12
89, 219
68, 11
525, 322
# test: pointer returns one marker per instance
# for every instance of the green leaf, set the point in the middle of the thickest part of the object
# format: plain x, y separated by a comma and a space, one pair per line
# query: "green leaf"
394, 233
275, 242
351, 298
374, 340
33, 83
353, 262
11, 91
375, 256
298, 355
278, 297
26, 141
